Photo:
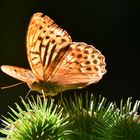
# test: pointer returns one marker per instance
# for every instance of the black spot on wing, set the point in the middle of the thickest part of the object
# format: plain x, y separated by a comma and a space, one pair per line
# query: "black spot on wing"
95, 61
40, 38
79, 56
88, 69
47, 37
53, 41
87, 62
86, 52
63, 40
40, 27
95, 68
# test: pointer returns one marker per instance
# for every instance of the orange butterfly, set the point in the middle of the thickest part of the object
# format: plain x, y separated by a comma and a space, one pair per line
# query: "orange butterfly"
57, 64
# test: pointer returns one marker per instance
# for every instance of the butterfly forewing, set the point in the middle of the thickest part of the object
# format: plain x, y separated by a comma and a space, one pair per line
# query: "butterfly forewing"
22, 74
44, 40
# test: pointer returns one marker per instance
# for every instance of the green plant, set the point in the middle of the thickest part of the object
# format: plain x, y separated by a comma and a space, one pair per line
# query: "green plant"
84, 118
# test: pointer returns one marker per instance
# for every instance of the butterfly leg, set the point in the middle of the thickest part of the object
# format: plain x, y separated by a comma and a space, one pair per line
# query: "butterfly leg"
43, 94
61, 98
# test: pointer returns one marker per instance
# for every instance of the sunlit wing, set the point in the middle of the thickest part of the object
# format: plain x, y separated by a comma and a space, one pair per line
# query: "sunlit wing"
44, 41
22, 74
82, 64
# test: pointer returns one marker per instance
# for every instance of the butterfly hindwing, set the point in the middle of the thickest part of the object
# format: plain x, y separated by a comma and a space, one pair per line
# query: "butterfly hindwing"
82, 63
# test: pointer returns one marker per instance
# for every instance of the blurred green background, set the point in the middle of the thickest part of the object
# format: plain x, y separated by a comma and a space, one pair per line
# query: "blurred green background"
111, 26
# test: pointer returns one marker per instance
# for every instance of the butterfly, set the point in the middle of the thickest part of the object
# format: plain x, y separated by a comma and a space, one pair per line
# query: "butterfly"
57, 64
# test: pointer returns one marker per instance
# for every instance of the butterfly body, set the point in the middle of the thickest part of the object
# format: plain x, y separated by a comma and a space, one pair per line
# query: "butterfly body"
57, 64
51, 89
47, 88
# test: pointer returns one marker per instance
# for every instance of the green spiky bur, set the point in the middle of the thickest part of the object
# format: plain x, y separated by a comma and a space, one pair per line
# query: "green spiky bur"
81, 118
38, 121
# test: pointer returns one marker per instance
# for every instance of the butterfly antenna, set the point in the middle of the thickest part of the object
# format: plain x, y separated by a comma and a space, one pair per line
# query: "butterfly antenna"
28, 93
12, 85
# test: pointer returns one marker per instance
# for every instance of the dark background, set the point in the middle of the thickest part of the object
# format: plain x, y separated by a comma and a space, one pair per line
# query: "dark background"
110, 25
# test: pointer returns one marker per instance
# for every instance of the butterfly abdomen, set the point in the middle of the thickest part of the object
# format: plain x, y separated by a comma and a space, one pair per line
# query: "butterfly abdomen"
47, 88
